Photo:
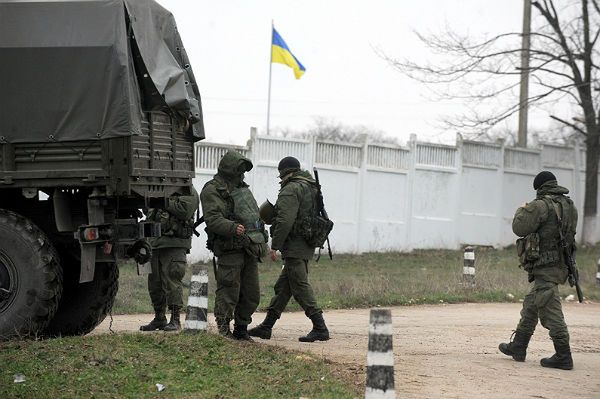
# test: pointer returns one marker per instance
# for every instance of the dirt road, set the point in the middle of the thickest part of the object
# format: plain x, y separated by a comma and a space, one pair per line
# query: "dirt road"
450, 351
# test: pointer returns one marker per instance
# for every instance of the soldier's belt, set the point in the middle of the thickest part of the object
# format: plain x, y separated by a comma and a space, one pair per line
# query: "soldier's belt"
547, 258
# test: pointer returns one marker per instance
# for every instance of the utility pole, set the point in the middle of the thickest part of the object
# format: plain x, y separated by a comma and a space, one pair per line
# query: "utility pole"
524, 96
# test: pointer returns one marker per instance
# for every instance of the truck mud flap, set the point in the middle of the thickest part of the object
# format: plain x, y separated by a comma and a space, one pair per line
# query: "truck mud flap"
88, 263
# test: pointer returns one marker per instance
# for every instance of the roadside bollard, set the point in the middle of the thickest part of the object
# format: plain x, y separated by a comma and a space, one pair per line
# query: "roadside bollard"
197, 308
469, 266
598, 273
380, 357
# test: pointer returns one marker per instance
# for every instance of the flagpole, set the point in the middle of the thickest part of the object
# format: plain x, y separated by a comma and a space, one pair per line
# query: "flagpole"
270, 68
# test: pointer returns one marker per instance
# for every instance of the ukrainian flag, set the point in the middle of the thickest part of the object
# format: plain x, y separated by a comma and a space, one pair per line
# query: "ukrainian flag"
281, 54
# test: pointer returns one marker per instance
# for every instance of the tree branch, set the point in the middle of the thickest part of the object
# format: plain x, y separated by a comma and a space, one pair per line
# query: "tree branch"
556, 118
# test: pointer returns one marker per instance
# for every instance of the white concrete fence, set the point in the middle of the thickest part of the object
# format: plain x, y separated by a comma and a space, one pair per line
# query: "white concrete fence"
392, 198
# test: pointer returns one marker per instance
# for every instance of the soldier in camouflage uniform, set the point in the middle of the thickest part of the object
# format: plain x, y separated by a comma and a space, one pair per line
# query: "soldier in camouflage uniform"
295, 203
238, 239
169, 258
540, 255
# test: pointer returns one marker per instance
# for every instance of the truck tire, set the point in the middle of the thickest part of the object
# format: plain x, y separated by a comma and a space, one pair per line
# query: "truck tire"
84, 306
30, 277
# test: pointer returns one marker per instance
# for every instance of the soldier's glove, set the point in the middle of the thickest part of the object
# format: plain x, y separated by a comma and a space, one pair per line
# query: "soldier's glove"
141, 251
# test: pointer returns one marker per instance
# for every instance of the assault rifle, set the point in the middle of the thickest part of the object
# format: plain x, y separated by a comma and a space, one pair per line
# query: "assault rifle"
569, 259
198, 222
321, 208
571, 265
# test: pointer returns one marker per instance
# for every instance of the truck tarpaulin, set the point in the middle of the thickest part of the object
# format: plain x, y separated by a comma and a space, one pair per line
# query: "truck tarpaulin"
81, 70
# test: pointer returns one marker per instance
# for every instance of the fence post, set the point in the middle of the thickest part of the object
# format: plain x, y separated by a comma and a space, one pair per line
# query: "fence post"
458, 192
361, 206
469, 266
197, 309
412, 171
380, 357
500, 209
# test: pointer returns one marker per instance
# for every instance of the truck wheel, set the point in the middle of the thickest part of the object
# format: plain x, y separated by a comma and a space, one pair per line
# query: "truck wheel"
30, 277
84, 306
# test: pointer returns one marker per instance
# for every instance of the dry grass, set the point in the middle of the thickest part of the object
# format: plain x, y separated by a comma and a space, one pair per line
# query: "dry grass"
421, 276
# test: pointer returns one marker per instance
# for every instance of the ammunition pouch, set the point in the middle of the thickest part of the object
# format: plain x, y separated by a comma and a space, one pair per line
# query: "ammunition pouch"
314, 230
257, 246
171, 226
528, 251
547, 259
253, 242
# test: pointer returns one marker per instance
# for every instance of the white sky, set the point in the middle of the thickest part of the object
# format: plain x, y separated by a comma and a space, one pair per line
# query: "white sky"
228, 42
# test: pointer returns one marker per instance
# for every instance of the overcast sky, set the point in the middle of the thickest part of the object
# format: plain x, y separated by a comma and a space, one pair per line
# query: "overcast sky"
228, 42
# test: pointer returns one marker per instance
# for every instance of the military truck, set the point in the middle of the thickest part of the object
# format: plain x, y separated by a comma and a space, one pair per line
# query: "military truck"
99, 112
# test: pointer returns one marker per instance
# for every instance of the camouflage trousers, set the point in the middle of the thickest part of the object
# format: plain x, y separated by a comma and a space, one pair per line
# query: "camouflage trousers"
238, 293
165, 282
293, 282
543, 303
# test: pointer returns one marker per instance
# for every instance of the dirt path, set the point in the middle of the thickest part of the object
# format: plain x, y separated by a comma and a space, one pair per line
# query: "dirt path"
450, 351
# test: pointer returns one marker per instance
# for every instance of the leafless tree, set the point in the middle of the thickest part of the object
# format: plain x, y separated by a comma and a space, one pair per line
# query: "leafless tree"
563, 73
329, 129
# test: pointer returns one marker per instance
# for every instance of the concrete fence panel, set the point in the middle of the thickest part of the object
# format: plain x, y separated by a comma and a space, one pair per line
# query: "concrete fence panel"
392, 198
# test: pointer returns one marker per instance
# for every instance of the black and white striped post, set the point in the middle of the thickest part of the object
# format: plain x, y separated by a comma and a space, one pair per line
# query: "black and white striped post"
197, 308
598, 273
469, 266
380, 358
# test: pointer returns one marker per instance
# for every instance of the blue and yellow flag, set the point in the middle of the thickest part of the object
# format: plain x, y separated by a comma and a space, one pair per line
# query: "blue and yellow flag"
281, 54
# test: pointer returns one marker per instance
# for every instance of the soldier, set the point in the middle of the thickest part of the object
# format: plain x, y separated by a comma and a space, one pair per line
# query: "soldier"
295, 205
169, 258
237, 237
540, 255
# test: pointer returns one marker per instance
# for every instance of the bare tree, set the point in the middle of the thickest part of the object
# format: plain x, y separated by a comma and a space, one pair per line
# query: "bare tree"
563, 71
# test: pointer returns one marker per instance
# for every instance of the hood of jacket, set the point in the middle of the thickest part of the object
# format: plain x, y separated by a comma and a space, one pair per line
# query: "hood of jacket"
233, 164
551, 188
298, 175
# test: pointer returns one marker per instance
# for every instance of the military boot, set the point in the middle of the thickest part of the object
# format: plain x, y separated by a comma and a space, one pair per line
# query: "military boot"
319, 331
241, 333
223, 327
174, 323
516, 348
264, 329
561, 359
158, 323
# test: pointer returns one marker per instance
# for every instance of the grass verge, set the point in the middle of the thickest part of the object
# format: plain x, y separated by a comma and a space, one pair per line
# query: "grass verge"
386, 279
189, 366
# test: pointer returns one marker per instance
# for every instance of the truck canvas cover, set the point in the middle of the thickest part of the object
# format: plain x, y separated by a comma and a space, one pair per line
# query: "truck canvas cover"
87, 69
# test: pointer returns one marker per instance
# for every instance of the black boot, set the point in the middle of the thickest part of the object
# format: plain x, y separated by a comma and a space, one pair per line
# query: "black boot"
516, 348
264, 329
319, 331
158, 323
174, 323
561, 359
241, 333
223, 327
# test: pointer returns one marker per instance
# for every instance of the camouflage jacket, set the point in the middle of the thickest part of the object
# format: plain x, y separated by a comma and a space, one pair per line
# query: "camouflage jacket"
176, 221
217, 204
539, 217
296, 200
